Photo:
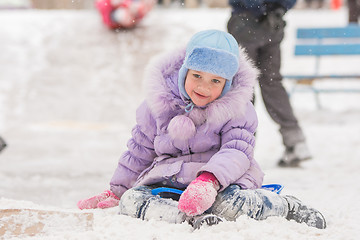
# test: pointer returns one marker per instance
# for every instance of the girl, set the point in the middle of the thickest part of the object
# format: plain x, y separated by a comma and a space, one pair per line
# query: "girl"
123, 13
195, 131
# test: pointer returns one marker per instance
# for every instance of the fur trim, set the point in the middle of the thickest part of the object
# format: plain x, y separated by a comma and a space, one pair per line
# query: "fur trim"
159, 95
215, 61
163, 93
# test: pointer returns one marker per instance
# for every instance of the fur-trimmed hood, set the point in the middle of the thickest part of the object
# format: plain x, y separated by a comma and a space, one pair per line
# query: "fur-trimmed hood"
174, 146
161, 86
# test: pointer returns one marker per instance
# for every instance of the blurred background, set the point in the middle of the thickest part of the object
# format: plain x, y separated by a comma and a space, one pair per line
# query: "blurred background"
89, 4
70, 86
69, 89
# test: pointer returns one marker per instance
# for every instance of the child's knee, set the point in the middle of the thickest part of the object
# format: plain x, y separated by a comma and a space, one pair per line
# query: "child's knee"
139, 202
136, 194
258, 204
229, 203
132, 200
273, 204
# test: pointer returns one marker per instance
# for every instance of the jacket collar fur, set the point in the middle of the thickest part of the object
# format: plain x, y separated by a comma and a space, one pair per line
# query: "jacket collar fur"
163, 94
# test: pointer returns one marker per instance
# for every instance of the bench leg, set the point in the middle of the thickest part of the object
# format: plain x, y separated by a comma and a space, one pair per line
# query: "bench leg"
310, 88
317, 99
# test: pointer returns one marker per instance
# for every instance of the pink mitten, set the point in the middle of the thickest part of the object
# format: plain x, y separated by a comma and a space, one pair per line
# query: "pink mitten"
104, 200
199, 195
111, 201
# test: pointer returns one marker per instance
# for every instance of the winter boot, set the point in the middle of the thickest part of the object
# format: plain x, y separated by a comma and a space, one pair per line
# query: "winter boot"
302, 213
206, 219
294, 155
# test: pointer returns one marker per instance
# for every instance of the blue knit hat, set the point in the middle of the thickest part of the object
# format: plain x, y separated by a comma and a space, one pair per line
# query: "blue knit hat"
211, 51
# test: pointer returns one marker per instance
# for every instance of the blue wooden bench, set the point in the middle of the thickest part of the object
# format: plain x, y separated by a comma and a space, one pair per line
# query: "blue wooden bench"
325, 42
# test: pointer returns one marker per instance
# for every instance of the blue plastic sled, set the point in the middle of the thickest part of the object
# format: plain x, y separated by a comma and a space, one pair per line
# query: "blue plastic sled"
271, 187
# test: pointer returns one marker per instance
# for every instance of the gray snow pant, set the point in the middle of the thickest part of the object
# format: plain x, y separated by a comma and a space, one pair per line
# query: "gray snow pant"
261, 40
231, 203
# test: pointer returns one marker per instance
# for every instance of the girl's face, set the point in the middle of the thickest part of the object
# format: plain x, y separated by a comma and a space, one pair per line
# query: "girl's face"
203, 87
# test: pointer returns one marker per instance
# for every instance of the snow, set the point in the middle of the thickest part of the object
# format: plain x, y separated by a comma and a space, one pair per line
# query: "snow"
69, 89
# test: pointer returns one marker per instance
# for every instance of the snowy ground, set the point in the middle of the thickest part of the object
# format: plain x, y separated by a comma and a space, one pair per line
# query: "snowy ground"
68, 93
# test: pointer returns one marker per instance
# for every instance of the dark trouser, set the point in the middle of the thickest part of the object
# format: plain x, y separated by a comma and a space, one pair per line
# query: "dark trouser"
231, 203
318, 3
262, 39
354, 10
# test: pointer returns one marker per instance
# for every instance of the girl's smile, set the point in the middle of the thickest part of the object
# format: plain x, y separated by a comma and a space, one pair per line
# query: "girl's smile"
203, 87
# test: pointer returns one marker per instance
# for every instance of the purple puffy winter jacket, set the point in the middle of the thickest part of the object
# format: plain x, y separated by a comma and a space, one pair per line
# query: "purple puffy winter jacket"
169, 144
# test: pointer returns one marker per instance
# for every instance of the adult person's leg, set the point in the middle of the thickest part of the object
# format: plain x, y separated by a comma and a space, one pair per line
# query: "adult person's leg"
274, 95
261, 38
353, 11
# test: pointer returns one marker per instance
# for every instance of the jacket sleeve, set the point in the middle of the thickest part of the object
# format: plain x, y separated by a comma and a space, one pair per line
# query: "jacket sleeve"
257, 7
234, 162
246, 4
140, 153
261, 6
286, 4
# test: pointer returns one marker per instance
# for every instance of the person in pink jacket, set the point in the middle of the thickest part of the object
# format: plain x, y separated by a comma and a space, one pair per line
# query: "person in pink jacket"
195, 132
117, 14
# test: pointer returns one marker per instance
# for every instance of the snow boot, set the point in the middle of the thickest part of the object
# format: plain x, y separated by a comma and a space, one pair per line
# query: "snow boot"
206, 219
294, 155
301, 213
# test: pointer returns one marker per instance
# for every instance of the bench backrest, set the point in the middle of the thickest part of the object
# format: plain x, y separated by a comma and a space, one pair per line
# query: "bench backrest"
321, 34
351, 31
